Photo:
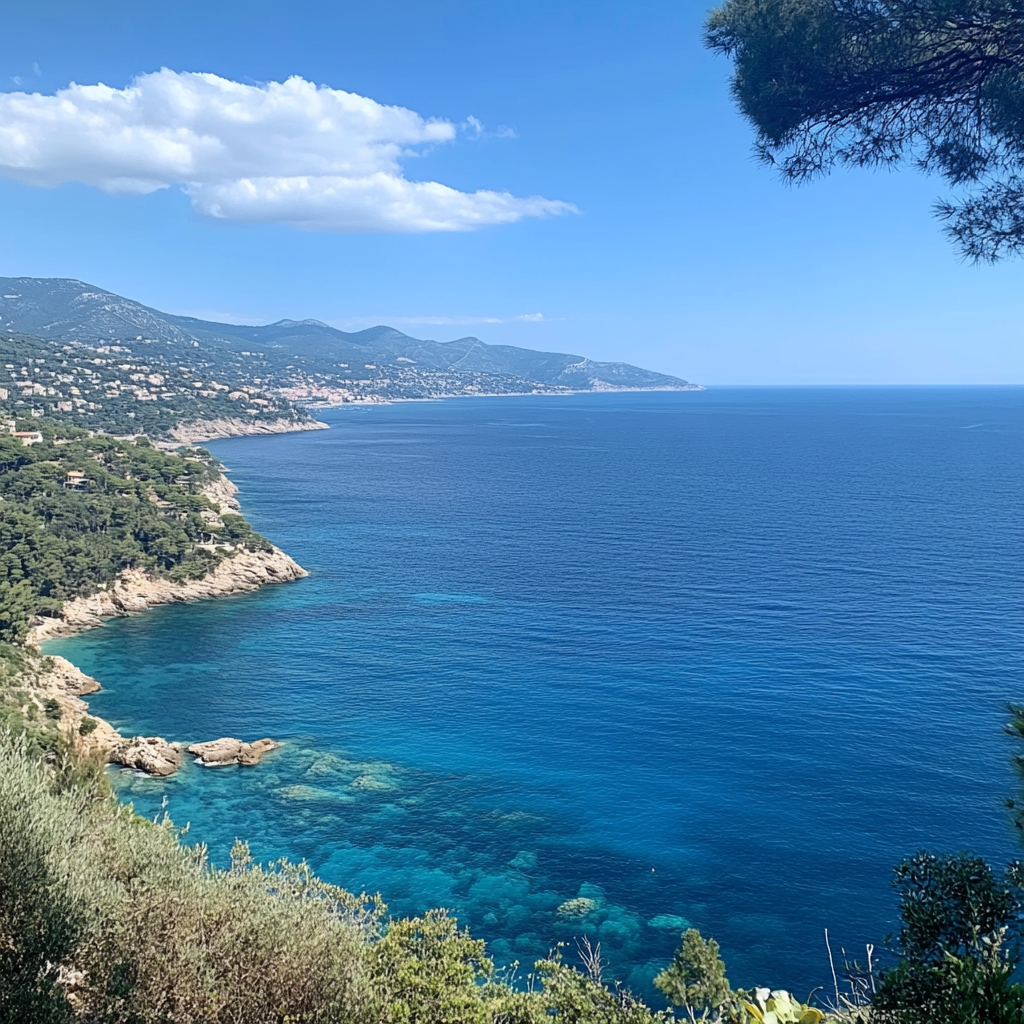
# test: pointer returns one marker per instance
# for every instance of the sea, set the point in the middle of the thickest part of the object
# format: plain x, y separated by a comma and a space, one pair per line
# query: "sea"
612, 665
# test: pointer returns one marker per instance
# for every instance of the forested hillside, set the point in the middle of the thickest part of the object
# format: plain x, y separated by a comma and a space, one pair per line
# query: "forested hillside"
76, 510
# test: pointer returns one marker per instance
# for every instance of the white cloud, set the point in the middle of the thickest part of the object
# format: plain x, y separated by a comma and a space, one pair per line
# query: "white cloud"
288, 152
377, 202
475, 129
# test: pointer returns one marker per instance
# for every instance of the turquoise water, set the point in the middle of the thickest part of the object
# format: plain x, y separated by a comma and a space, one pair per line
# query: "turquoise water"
718, 658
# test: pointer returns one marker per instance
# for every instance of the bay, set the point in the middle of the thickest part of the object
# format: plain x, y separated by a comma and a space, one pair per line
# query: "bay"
717, 658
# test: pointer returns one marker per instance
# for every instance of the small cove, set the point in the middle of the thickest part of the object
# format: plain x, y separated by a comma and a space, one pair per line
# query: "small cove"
717, 658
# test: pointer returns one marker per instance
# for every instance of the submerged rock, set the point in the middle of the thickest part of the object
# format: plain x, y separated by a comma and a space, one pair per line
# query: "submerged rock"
581, 906
670, 922
372, 782
150, 754
230, 751
312, 793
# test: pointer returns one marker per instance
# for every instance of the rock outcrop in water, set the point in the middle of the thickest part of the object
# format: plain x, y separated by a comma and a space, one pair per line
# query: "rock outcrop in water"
231, 751
150, 754
155, 756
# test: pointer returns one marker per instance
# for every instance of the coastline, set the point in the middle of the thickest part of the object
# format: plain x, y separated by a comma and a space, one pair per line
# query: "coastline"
133, 592
136, 590
211, 430
317, 405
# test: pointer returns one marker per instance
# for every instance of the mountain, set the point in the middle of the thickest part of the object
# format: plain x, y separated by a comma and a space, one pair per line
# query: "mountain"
305, 355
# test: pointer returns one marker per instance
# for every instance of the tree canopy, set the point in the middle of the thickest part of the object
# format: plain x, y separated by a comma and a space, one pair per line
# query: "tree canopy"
938, 84
134, 506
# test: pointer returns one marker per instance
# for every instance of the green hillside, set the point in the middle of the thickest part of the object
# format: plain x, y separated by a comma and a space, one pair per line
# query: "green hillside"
125, 505
305, 360
114, 389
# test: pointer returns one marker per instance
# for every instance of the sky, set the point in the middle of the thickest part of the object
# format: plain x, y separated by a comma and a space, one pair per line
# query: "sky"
568, 176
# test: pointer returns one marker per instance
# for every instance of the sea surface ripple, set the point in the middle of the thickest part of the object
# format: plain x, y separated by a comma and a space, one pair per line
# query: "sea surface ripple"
717, 658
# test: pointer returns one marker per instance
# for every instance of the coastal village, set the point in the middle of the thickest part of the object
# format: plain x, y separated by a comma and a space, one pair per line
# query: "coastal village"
107, 363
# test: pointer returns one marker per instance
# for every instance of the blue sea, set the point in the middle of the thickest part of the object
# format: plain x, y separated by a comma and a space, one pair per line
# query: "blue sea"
716, 658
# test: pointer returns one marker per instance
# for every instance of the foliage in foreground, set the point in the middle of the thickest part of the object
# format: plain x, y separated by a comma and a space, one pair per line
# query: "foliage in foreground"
956, 958
696, 982
106, 917
875, 83
958, 944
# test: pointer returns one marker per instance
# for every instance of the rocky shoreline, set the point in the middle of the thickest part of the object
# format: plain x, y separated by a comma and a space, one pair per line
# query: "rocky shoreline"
57, 680
136, 590
209, 430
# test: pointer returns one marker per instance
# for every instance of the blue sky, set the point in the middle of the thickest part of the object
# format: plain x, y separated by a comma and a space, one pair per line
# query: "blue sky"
680, 254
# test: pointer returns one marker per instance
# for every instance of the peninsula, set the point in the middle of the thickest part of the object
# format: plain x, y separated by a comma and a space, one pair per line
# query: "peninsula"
95, 526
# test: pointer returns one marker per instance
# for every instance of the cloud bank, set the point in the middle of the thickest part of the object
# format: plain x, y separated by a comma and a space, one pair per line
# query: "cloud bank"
287, 152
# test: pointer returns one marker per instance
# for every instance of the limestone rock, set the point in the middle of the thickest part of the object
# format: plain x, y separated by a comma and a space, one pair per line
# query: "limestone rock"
150, 754
221, 491
230, 751
61, 675
235, 426
252, 752
135, 590
53, 677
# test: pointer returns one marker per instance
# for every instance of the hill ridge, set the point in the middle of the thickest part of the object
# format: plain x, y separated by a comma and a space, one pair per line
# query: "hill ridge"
295, 362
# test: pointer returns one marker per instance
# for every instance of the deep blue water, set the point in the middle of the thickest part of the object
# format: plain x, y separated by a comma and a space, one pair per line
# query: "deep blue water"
719, 658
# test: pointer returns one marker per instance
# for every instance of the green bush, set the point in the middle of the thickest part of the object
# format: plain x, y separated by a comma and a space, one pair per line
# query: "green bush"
106, 917
696, 977
958, 944
50, 887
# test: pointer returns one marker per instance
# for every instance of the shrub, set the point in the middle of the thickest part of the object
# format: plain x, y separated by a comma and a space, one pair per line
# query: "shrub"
696, 977
958, 944
106, 917
49, 889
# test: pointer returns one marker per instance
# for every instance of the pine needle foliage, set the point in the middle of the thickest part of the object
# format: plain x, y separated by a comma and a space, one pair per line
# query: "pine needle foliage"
136, 507
937, 84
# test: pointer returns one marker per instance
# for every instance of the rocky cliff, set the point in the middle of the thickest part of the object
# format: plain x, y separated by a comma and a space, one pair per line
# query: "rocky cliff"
208, 430
55, 687
54, 679
136, 590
